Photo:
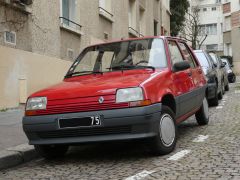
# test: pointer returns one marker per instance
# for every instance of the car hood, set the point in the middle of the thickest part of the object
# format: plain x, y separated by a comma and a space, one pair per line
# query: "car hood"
95, 85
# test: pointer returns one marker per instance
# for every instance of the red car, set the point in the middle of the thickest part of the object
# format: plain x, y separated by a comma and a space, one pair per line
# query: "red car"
125, 90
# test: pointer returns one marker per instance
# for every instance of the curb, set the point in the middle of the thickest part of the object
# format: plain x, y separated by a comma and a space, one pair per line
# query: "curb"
16, 155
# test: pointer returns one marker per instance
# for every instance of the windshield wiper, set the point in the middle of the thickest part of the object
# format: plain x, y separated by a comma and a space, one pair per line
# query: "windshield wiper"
82, 72
145, 67
122, 67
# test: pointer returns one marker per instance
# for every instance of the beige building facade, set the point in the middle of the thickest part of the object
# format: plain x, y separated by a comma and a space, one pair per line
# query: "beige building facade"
231, 31
39, 39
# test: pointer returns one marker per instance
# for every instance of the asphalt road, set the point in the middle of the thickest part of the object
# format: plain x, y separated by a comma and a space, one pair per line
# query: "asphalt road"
202, 152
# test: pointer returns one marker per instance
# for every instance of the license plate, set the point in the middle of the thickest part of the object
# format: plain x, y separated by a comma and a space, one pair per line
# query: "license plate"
80, 122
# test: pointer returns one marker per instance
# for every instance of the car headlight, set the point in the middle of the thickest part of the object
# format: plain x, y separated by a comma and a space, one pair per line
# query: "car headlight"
229, 71
129, 95
36, 103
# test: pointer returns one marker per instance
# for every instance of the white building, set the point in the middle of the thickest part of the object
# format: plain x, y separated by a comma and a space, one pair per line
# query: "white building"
211, 20
231, 31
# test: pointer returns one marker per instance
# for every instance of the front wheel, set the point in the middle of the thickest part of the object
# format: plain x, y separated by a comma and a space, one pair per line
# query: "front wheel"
202, 114
51, 151
165, 141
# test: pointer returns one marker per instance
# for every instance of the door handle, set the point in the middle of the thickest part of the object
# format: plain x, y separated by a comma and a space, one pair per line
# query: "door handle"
200, 71
189, 74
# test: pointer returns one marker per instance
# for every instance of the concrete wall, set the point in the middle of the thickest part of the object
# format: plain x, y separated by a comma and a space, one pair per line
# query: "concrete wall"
235, 48
22, 73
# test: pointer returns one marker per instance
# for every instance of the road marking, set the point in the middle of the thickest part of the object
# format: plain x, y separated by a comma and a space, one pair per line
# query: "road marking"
219, 107
201, 138
140, 175
178, 155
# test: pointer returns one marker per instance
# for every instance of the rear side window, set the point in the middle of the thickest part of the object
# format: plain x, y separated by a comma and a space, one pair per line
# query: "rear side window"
175, 53
202, 59
187, 54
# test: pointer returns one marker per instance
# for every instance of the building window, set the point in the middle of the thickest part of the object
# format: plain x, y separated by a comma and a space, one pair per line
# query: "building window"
142, 21
214, 8
212, 47
204, 9
155, 27
209, 29
218, 1
68, 12
132, 14
132, 19
105, 9
227, 24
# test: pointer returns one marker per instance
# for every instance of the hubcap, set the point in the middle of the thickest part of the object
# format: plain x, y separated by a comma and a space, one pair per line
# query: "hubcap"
167, 130
205, 107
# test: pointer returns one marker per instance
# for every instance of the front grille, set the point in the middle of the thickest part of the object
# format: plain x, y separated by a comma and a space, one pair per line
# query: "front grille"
85, 132
81, 105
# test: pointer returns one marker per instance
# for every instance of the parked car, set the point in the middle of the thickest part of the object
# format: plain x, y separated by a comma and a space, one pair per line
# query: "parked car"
214, 83
222, 74
230, 73
125, 90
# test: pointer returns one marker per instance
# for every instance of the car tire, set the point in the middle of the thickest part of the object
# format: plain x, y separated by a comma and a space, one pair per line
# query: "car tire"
214, 101
220, 94
165, 141
227, 87
202, 115
51, 151
233, 80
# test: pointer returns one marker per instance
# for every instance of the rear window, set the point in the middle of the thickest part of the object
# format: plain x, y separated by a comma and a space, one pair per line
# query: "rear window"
202, 59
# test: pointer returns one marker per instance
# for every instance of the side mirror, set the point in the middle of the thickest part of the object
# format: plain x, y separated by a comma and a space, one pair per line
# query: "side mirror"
180, 66
223, 64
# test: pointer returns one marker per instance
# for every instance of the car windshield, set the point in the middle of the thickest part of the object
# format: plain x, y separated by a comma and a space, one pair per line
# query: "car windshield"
125, 55
214, 58
202, 59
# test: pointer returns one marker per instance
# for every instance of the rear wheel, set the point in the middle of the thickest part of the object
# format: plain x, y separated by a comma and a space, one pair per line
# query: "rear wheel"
202, 116
165, 141
233, 80
51, 151
227, 87
214, 101
220, 95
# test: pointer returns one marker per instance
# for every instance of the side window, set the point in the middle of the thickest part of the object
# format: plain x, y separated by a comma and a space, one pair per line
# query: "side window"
187, 54
175, 53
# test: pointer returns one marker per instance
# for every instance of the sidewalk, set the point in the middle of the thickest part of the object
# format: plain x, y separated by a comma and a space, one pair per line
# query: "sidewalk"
11, 133
14, 148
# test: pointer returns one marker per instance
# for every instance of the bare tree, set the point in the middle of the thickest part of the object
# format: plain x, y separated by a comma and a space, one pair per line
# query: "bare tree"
192, 31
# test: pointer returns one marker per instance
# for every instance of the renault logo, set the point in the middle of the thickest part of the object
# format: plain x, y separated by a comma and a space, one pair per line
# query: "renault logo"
101, 100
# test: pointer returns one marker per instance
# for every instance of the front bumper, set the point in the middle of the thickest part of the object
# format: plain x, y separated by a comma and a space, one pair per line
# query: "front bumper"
118, 124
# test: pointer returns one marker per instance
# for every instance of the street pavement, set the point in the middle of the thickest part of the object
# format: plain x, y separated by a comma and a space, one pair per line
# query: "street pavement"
202, 152
11, 133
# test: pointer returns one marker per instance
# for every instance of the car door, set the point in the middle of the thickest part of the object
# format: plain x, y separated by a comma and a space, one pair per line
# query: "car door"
182, 81
198, 89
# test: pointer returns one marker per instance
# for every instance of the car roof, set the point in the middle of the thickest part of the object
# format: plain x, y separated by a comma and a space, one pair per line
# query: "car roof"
139, 38
198, 51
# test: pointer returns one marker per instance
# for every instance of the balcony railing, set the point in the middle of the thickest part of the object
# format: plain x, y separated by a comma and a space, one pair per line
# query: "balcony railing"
70, 23
136, 33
